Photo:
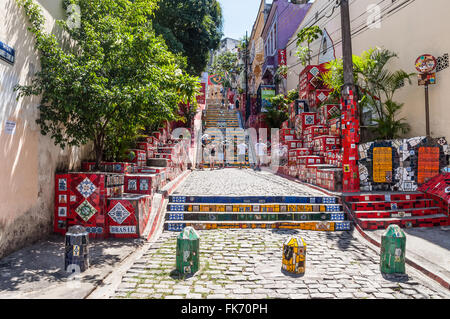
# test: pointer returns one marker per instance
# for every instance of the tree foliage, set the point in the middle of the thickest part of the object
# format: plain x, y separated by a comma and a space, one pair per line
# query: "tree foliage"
190, 27
378, 86
116, 77
227, 66
308, 35
278, 112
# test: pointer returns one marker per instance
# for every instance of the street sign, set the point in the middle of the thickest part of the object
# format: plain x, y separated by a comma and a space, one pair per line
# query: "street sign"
426, 63
7, 53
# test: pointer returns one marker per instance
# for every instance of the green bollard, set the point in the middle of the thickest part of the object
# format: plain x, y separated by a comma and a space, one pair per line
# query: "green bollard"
393, 247
187, 259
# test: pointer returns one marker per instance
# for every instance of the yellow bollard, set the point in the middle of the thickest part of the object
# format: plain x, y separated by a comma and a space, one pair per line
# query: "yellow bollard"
294, 256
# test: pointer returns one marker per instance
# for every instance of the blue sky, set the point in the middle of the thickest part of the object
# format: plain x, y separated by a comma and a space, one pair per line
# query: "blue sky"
239, 16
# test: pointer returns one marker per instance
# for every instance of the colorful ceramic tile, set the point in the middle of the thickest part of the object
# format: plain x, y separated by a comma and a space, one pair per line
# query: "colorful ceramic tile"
85, 211
62, 184
62, 211
86, 188
119, 213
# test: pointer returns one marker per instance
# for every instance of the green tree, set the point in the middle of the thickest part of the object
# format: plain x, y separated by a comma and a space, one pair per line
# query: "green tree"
308, 35
192, 28
117, 75
226, 65
278, 112
188, 90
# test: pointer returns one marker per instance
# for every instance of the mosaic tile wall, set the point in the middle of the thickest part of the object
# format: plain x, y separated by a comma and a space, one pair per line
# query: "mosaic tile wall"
401, 164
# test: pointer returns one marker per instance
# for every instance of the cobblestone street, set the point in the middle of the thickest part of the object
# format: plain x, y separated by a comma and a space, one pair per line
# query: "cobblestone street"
245, 182
241, 264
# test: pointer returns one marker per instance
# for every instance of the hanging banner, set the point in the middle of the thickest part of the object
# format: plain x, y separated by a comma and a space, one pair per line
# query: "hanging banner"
282, 57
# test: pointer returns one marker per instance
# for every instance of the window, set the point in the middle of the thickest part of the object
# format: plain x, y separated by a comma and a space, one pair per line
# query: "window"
324, 46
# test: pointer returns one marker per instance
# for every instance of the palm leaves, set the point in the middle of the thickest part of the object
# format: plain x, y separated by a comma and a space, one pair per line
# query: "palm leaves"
378, 84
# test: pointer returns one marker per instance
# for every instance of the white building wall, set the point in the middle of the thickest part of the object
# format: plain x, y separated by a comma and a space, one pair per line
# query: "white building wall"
419, 27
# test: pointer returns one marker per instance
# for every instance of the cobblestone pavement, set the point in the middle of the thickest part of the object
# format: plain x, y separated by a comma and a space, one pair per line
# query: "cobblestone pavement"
245, 182
242, 264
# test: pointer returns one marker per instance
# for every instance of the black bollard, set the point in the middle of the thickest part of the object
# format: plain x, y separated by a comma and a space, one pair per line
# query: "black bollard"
76, 258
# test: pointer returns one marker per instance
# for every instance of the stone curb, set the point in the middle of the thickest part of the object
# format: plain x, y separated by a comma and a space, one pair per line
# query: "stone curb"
410, 261
165, 194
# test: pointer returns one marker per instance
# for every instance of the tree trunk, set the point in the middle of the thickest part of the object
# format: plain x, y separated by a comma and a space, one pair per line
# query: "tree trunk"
98, 149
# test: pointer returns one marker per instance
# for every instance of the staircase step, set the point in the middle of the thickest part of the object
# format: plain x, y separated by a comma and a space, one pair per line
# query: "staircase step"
254, 199
405, 222
243, 208
411, 212
384, 197
399, 204
308, 225
225, 216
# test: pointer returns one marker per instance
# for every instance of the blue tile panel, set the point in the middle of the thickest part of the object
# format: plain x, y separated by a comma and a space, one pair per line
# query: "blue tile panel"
252, 200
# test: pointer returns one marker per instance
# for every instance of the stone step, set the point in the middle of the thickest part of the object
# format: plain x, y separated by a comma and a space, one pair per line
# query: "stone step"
405, 222
180, 199
308, 225
410, 212
399, 204
247, 208
222, 216
383, 197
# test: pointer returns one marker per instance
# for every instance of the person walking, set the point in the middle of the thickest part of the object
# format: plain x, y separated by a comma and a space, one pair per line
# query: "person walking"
261, 149
212, 156
241, 148
221, 154
204, 140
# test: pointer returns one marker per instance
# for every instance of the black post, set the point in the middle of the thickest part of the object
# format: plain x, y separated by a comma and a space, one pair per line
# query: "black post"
347, 47
247, 100
427, 110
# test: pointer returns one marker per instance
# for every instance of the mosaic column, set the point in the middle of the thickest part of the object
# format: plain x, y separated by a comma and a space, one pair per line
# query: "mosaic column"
187, 253
393, 247
350, 140
294, 256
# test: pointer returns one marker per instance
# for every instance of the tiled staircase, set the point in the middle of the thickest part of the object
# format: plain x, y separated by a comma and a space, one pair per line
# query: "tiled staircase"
215, 212
378, 211
217, 120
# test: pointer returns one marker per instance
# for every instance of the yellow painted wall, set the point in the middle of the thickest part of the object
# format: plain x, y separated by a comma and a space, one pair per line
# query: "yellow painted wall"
256, 67
420, 27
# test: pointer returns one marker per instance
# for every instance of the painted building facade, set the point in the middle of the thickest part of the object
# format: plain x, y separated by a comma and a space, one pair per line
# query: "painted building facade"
282, 22
399, 26
256, 44
29, 159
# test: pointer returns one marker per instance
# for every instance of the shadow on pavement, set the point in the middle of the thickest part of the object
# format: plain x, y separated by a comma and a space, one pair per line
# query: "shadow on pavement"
344, 238
436, 235
396, 277
42, 264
